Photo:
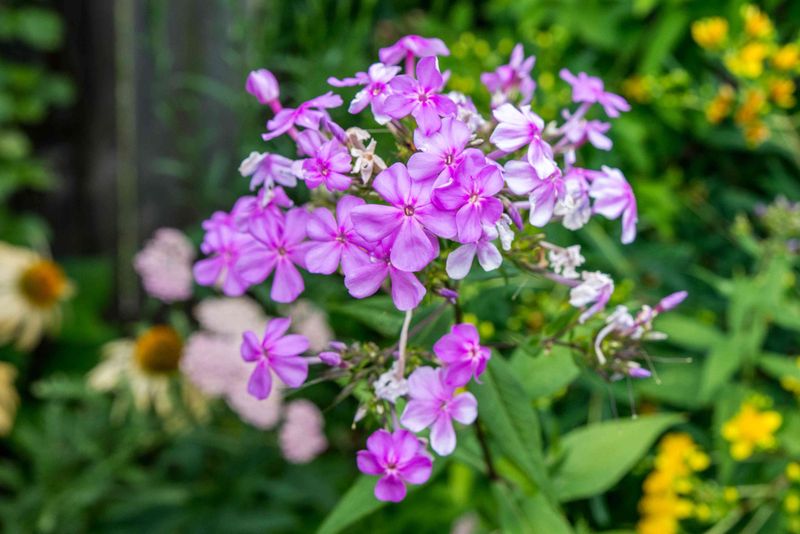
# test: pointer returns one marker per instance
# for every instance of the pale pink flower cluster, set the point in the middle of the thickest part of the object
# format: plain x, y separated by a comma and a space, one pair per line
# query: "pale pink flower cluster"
165, 265
301, 437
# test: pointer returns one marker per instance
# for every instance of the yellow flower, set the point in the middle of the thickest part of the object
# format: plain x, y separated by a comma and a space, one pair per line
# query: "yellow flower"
32, 289
751, 429
748, 62
636, 88
145, 366
781, 91
657, 525
702, 512
752, 107
730, 494
9, 400
710, 32
793, 471
755, 133
787, 57
720, 107
792, 503
756, 22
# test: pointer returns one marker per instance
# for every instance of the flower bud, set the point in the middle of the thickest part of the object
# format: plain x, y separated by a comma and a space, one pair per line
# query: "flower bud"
262, 84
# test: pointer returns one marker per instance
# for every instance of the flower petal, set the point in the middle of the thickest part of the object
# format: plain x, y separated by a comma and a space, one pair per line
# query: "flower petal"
443, 436
292, 370
260, 383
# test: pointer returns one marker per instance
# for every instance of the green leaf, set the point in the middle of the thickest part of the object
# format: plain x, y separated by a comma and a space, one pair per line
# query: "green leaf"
779, 366
377, 313
513, 425
519, 513
360, 501
688, 332
595, 457
546, 374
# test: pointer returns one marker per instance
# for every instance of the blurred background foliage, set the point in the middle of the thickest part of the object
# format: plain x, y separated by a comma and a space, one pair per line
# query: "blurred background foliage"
67, 467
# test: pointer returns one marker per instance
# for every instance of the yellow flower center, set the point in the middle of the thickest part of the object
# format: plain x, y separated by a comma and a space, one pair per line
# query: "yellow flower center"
158, 350
43, 283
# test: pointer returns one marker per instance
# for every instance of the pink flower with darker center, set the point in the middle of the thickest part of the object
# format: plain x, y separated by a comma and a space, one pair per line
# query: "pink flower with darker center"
408, 222
334, 240
441, 152
308, 115
414, 46
398, 458
420, 98
329, 165
367, 275
462, 354
277, 353
376, 89
434, 403
590, 89
514, 76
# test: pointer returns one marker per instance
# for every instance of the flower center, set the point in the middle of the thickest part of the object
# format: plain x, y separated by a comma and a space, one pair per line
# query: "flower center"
408, 209
158, 350
448, 160
281, 251
341, 238
474, 198
43, 284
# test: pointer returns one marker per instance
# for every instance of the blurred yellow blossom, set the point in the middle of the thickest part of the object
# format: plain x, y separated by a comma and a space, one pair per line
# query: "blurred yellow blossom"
9, 400
710, 32
756, 133
751, 429
636, 88
756, 22
781, 91
748, 62
793, 471
787, 57
720, 107
792, 502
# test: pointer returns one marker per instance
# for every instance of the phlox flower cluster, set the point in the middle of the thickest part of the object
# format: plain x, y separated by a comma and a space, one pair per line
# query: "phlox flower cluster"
384, 219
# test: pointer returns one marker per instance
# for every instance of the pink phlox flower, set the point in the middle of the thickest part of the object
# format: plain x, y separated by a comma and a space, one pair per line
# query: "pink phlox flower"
459, 261
165, 265
399, 458
413, 45
263, 85
516, 75
433, 402
543, 192
280, 247
366, 276
590, 89
334, 240
267, 203
329, 165
408, 222
579, 131
225, 247
462, 354
613, 197
595, 289
440, 152
308, 115
267, 169
376, 89
471, 195
302, 437
575, 209
275, 353
420, 97
467, 112
516, 127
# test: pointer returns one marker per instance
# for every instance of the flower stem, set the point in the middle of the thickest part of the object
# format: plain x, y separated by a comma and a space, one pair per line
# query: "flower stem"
487, 455
401, 358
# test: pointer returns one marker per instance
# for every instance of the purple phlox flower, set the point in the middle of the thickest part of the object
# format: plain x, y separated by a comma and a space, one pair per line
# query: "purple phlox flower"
671, 301
514, 76
281, 248
414, 46
577, 132
451, 295
543, 193
471, 195
376, 89
459, 261
308, 115
462, 354
595, 289
434, 403
613, 197
336, 131
329, 165
225, 248
266, 204
407, 222
328, 357
516, 127
420, 98
277, 353
399, 458
267, 169
440, 152
575, 209
333, 240
263, 85
367, 276
308, 144
590, 89
467, 112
